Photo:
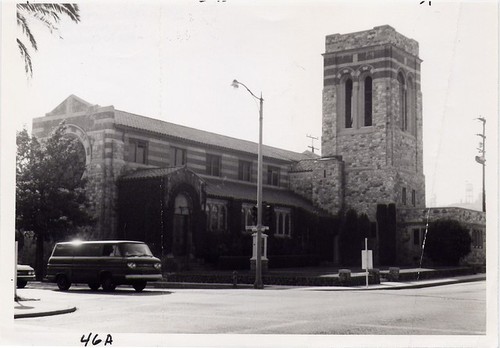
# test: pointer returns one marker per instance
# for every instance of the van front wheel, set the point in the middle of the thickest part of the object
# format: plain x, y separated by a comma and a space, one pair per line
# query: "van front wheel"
139, 286
108, 284
63, 283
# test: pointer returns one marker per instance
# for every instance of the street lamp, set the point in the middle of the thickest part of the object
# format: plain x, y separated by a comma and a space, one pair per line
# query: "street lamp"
258, 262
482, 158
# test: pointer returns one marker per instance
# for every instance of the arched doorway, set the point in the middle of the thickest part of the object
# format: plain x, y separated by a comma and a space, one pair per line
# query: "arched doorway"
182, 235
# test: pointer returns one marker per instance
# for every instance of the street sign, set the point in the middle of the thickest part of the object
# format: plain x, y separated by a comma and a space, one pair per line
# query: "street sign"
366, 260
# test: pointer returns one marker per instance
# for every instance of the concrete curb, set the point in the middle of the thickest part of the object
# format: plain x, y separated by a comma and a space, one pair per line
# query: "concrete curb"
35, 314
402, 286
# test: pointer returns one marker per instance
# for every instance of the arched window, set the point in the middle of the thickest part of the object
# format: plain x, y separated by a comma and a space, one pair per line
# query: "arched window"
348, 103
410, 92
403, 107
368, 101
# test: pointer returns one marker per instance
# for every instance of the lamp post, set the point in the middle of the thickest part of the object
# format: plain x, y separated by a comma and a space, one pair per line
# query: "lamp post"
482, 158
258, 262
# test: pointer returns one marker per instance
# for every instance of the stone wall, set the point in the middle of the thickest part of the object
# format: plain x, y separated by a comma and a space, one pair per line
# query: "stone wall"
412, 219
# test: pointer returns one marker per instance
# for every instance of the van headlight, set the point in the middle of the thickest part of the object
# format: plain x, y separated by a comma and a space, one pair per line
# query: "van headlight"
158, 265
131, 265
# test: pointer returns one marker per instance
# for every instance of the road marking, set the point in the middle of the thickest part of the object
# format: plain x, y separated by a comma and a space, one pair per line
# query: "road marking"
461, 332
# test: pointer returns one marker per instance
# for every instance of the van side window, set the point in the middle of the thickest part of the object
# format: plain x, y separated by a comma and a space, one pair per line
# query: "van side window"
89, 250
107, 250
110, 250
63, 250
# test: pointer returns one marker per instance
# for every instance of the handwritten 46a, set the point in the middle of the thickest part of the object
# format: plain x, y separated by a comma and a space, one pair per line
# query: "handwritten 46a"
96, 341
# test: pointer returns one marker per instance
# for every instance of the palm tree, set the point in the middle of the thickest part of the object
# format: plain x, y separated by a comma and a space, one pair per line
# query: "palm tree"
47, 14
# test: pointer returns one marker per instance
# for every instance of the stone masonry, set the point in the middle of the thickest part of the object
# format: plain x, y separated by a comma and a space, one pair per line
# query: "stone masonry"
384, 158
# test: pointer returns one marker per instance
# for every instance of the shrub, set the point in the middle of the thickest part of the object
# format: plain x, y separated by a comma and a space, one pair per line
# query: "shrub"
447, 242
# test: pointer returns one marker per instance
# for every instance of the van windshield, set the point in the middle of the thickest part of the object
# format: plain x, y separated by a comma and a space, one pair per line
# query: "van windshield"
135, 249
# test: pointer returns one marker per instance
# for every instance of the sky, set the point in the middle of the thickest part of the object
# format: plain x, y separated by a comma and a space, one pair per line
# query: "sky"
175, 61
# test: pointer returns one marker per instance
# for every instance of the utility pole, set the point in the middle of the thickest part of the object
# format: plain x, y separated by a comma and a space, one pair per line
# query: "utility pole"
481, 159
312, 143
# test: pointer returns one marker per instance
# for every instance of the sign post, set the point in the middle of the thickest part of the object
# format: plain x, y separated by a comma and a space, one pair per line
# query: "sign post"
366, 260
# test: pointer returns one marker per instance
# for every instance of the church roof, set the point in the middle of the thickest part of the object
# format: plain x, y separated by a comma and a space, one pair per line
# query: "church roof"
173, 130
223, 188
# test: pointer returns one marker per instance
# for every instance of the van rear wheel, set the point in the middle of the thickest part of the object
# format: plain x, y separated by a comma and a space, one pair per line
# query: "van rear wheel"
108, 284
63, 283
139, 286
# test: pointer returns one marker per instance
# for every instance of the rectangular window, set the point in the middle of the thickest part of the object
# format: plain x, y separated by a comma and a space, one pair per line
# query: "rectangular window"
138, 151
283, 222
403, 196
413, 197
245, 171
213, 165
179, 157
246, 216
273, 176
216, 215
416, 236
477, 239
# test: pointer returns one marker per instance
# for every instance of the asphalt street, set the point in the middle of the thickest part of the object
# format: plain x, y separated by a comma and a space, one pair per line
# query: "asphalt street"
457, 309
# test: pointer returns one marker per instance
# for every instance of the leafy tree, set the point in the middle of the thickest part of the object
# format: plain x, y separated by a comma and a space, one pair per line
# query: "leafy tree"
447, 242
50, 190
47, 14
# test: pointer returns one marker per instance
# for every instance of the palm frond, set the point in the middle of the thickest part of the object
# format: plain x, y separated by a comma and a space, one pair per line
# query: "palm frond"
21, 21
47, 14
27, 58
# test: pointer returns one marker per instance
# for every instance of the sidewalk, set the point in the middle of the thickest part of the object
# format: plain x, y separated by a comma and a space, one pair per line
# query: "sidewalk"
30, 308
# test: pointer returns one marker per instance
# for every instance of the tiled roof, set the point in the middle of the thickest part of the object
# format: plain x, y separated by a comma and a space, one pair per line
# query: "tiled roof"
207, 138
221, 188
150, 173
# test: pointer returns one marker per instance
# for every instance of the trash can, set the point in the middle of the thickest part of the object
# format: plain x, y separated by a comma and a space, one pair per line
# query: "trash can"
393, 274
345, 276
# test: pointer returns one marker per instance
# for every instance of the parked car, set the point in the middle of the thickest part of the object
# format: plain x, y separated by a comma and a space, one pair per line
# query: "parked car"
25, 273
103, 263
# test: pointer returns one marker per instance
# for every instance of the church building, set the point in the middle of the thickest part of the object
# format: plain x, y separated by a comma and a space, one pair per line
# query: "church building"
189, 193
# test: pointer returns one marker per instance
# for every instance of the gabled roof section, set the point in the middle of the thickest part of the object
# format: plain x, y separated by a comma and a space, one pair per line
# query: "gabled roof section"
189, 134
70, 105
222, 188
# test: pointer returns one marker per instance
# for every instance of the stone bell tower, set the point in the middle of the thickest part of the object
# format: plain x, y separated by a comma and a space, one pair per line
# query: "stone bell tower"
372, 117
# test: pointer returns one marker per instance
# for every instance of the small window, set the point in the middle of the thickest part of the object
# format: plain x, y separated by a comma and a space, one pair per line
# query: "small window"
245, 171
403, 196
138, 151
416, 236
213, 165
273, 176
179, 156
348, 103
368, 101
413, 197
